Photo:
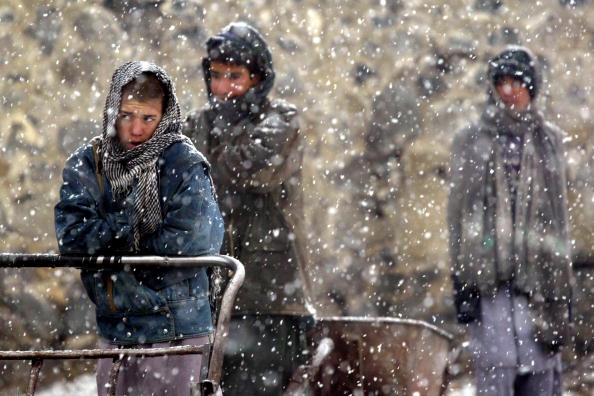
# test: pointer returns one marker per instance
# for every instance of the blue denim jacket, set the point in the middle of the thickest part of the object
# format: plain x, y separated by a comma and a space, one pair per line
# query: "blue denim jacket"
144, 305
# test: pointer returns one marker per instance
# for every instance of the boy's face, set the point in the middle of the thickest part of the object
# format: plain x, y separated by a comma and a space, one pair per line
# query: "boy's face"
137, 121
513, 93
229, 81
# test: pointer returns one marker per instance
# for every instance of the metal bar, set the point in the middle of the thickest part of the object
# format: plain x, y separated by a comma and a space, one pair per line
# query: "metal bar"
379, 320
12, 260
34, 376
101, 353
216, 359
113, 375
303, 375
204, 363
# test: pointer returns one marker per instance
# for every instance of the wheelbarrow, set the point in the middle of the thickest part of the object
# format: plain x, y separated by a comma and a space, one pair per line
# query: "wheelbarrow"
374, 356
209, 383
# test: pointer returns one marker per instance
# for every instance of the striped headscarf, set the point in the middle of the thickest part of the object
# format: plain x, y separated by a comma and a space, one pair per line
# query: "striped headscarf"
123, 167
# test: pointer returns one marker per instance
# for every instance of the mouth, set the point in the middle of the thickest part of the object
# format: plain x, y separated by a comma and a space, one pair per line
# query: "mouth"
224, 98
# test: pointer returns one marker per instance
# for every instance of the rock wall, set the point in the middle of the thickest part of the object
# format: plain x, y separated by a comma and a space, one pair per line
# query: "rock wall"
382, 85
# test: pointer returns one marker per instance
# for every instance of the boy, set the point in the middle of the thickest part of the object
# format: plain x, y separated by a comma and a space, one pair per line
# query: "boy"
142, 188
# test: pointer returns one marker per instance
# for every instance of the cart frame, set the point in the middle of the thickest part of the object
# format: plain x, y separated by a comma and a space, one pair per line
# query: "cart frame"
207, 386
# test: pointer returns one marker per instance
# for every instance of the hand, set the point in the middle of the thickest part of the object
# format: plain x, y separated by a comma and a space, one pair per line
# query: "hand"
468, 304
120, 225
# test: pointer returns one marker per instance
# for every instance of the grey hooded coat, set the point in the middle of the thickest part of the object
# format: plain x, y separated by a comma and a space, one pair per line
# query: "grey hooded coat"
256, 149
510, 224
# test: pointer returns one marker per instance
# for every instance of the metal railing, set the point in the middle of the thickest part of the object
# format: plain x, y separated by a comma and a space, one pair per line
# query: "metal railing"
209, 386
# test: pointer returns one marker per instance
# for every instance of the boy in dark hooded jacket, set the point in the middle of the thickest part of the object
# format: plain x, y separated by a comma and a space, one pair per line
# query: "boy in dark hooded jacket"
509, 243
255, 147
143, 188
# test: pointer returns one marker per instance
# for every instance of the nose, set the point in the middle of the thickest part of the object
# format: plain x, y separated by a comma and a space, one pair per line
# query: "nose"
221, 87
136, 127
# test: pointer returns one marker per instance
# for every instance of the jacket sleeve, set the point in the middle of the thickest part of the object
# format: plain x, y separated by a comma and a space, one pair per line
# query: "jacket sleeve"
81, 227
192, 224
455, 199
561, 205
260, 159
466, 297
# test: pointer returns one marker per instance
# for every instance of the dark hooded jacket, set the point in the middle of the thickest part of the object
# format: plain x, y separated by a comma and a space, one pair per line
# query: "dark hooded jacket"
507, 210
256, 150
143, 305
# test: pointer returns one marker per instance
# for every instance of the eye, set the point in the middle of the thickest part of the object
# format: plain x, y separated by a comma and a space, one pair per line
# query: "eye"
235, 76
124, 116
150, 118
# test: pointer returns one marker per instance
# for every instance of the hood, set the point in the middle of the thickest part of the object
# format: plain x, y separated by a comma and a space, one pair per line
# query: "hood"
517, 62
240, 43
520, 63
171, 120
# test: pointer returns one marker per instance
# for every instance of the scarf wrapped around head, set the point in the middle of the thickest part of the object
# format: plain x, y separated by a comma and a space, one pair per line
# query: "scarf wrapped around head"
136, 169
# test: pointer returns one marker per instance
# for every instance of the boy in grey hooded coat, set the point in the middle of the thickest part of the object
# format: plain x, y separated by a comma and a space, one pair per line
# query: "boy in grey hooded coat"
509, 245
256, 148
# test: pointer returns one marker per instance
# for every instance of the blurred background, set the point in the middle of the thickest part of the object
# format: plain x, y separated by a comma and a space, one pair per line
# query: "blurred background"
382, 87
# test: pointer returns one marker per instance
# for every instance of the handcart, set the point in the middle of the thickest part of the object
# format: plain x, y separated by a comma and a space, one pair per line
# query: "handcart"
209, 383
375, 356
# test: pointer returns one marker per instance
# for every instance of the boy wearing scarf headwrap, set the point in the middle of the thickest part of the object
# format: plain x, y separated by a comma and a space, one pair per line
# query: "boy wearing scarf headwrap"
255, 146
141, 188
509, 244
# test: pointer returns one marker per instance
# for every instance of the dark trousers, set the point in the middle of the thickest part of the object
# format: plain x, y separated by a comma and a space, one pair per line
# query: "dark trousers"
262, 352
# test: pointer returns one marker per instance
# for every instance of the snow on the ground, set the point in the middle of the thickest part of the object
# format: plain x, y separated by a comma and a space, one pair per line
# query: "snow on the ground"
465, 390
83, 385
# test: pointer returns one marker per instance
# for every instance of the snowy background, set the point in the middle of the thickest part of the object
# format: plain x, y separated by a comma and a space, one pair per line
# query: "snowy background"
382, 85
